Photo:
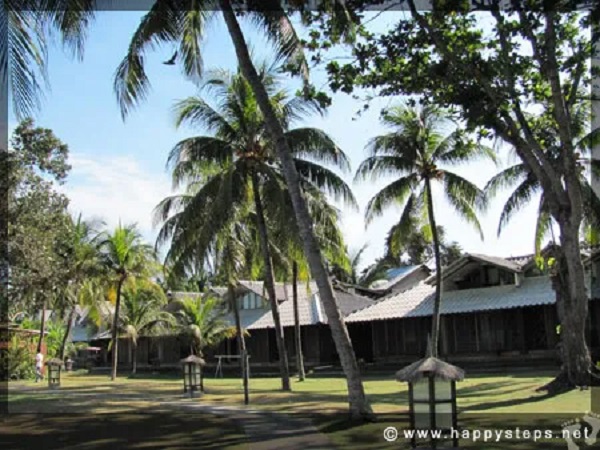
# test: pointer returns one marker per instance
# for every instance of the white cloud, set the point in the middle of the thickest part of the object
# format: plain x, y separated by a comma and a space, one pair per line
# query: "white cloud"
116, 189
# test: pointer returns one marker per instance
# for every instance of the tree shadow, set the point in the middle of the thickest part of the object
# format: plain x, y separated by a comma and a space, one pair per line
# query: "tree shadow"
175, 429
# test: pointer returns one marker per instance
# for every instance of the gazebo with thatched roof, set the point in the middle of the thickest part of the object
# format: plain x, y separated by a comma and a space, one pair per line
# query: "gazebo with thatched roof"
432, 396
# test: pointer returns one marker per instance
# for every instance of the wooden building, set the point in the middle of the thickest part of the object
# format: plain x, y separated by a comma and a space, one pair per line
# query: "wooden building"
493, 310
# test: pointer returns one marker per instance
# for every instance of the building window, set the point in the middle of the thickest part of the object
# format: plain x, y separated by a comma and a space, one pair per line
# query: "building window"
250, 300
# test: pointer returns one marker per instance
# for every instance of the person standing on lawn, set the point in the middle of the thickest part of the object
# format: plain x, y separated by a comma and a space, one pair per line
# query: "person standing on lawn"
39, 366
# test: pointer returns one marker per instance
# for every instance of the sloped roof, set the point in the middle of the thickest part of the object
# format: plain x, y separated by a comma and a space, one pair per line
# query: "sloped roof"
418, 302
281, 291
395, 275
310, 308
309, 313
513, 265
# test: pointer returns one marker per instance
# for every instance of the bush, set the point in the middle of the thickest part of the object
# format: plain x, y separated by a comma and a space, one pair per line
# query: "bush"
18, 360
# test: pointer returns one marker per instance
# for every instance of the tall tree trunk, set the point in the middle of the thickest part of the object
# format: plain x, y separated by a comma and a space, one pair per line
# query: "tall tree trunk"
358, 403
596, 99
270, 285
65, 339
298, 336
240, 340
435, 319
42, 327
115, 331
134, 356
574, 322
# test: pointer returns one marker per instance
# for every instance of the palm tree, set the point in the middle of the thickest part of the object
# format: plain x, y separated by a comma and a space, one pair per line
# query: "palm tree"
228, 249
83, 263
202, 319
124, 255
242, 167
526, 185
413, 152
183, 25
287, 239
142, 313
29, 25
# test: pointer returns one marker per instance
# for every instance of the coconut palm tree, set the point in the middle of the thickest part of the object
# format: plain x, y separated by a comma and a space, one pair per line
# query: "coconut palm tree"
142, 313
228, 250
29, 26
242, 167
526, 186
414, 152
183, 26
84, 264
286, 242
125, 256
202, 319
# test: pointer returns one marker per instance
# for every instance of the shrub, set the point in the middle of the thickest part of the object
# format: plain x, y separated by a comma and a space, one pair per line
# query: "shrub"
18, 360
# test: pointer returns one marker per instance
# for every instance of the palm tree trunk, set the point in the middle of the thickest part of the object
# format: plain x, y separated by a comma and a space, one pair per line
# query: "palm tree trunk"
65, 339
240, 340
358, 403
299, 356
134, 356
42, 327
270, 285
115, 329
435, 320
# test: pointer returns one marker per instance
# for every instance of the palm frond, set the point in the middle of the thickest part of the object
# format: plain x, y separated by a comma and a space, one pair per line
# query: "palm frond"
394, 193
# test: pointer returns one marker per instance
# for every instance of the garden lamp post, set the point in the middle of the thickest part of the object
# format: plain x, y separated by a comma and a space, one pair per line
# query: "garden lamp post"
55, 366
432, 398
192, 374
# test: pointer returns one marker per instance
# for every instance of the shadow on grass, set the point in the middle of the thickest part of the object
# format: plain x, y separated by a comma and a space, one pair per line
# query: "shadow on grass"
120, 431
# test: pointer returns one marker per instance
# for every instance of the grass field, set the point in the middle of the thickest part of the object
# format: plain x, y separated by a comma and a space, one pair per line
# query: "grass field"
484, 401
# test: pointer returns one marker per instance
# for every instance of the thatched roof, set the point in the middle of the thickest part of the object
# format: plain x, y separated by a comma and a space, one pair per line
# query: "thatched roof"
430, 365
54, 362
193, 359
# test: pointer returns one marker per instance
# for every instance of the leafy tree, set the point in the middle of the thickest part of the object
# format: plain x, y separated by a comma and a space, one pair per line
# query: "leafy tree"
125, 256
494, 65
414, 152
39, 220
56, 330
183, 26
417, 244
142, 313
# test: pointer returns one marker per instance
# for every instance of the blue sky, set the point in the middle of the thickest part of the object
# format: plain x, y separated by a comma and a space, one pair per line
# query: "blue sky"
119, 167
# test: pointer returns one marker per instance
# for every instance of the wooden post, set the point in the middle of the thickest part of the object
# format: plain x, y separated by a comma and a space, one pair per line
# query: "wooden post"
522, 344
444, 334
403, 321
373, 340
385, 332
454, 334
477, 343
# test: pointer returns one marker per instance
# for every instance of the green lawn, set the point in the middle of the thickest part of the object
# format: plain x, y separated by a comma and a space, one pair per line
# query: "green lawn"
492, 402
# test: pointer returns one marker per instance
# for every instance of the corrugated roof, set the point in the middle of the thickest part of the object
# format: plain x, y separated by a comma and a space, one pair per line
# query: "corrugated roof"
310, 308
505, 263
394, 276
259, 289
418, 302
